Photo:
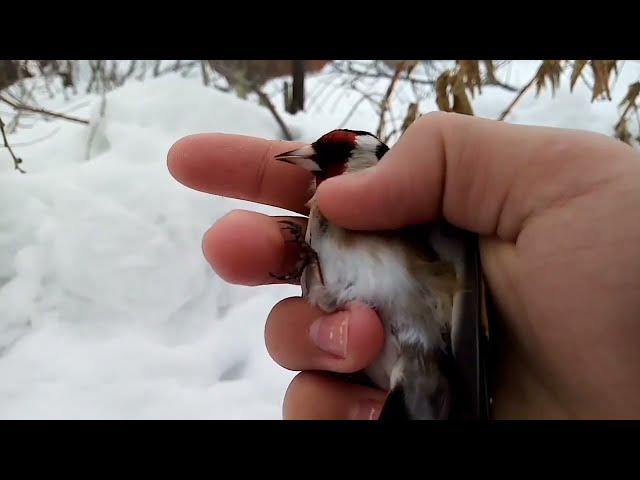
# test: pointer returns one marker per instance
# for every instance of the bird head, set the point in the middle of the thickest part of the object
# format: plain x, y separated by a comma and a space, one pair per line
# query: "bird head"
337, 152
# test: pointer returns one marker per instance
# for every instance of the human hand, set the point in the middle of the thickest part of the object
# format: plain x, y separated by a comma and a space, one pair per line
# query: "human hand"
557, 213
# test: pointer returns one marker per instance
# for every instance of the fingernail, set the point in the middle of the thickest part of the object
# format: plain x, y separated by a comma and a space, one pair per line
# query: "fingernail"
330, 333
366, 410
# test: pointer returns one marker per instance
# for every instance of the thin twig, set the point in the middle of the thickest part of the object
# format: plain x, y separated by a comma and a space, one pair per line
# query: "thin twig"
16, 161
222, 88
177, 67
94, 128
267, 103
352, 111
37, 140
497, 83
631, 105
13, 124
615, 80
94, 73
205, 76
25, 96
491, 79
42, 111
386, 100
322, 98
129, 72
515, 100
380, 74
586, 82
368, 96
339, 96
320, 90
186, 69
143, 71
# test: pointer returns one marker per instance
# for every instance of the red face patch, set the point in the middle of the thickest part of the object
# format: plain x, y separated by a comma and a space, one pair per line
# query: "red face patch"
332, 152
339, 137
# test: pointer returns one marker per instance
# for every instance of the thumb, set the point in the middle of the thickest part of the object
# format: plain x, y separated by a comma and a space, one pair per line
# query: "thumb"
481, 175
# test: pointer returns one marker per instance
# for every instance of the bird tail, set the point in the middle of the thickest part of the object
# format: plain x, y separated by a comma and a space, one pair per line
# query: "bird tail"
423, 387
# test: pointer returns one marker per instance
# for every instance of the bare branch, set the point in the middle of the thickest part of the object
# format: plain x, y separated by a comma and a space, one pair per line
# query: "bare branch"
129, 72
264, 99
630, 99
37, 140
205, 75
16, 161
386, 100
296, 102
94, 73
368, 96
222, 88
42, 111
497, 83
353, 109
317, 93
94, 128
523, 90
177, 66
25, 96
380, 74
143, 72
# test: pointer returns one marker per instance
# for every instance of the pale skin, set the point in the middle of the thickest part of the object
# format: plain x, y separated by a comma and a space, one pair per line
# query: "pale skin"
558, 212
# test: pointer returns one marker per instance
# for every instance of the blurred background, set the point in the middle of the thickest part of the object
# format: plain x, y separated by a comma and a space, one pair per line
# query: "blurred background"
107, 307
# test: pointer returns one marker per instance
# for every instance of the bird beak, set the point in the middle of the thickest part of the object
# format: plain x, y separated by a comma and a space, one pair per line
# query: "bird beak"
302, 157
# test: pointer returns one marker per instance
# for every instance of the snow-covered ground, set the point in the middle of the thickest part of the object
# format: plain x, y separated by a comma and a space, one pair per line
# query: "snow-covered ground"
107, 307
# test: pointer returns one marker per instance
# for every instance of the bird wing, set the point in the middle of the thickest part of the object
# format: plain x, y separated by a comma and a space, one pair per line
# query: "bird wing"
464, 360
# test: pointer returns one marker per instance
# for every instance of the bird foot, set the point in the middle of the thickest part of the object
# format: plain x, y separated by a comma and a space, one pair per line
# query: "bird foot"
307, 254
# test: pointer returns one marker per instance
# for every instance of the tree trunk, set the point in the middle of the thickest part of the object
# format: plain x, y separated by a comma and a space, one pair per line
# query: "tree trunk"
297, 90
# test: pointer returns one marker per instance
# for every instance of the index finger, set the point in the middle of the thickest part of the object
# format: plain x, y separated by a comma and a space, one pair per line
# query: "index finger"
241, 167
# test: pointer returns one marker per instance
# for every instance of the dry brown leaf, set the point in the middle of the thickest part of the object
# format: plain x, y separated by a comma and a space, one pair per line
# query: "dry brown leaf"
461, 103
578, 66
410, 117
601, 78
491, 70
622, 132
469, 71
410, 65
631, 97
549, 70
404, 65
449, 85
442, 91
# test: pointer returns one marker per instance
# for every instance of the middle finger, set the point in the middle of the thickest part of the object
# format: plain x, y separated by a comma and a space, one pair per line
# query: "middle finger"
300, 336
245, 247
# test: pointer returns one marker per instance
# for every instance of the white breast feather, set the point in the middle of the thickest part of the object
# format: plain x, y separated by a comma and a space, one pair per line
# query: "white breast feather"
380, 277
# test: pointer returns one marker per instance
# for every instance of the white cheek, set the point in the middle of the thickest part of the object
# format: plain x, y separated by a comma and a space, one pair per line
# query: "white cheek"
305, 163
365, 142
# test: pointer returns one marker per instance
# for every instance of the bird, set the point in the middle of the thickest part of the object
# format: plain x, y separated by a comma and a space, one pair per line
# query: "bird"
422, 280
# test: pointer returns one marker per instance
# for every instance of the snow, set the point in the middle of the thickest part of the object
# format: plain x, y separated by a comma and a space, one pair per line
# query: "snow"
107, 307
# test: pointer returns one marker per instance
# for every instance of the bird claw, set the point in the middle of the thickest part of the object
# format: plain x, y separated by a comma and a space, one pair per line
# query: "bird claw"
295, 229
307, 254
